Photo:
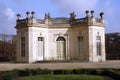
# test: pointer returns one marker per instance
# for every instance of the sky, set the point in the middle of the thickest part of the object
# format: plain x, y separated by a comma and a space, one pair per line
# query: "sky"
58, 8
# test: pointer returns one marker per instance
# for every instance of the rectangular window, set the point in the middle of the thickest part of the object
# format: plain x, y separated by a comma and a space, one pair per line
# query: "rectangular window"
22, 47
40, 46
40, 38
98, 45
59, 50
80, 45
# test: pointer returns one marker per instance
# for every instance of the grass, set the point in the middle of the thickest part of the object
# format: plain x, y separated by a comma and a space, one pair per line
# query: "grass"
66, 77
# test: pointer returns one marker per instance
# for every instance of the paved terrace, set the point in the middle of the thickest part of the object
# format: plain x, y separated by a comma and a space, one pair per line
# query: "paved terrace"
51, 65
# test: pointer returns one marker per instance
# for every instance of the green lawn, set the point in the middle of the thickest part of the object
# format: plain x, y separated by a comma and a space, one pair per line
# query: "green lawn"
66, 77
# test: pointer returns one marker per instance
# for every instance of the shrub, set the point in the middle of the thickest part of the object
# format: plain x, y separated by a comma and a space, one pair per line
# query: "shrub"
111, 73
75, 71
63, 71
41, 71
68, 71
33, 72
99, 71
9, 75
57, 72
25, 72
84, 71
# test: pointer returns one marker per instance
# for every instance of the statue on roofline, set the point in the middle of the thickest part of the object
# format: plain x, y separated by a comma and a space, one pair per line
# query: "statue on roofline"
72, 16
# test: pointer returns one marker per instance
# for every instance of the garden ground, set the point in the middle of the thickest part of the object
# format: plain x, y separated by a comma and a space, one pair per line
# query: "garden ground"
51, 65
66, 77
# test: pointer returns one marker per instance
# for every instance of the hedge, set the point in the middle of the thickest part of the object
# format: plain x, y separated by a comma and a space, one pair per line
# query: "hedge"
63, 71
85, 71
40, 71
79, 71
10, 75
113, 74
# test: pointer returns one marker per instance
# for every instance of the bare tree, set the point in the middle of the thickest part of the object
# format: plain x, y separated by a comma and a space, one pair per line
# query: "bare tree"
7, 46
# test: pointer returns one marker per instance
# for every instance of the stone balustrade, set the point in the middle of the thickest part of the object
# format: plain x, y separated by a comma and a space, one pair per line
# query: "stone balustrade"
60, 20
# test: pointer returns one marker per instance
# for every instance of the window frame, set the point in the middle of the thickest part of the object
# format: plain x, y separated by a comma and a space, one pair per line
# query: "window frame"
23, 45
80, 45
61, 53
98, 45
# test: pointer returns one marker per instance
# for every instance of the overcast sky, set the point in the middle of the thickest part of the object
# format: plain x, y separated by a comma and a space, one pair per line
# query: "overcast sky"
58, 8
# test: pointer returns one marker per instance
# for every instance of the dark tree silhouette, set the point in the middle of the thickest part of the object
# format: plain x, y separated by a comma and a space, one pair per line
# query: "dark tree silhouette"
7, 47
112, 46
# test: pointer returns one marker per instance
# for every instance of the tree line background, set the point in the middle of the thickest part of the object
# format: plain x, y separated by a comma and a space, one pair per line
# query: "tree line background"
7, 47
112, 43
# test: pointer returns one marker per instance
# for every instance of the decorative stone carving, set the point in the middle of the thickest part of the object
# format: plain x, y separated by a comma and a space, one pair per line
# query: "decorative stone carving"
98, 33
60, 21
40, 34
92, 13
80, 33
27, 14
47, 16
66, 34
101, 15
18, 16
87, 15
32, 14
72, 16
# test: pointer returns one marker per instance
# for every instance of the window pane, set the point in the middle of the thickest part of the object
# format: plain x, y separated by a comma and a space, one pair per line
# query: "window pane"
61, 48
22, 47
98, 45
60, 39
80, 45
40, 46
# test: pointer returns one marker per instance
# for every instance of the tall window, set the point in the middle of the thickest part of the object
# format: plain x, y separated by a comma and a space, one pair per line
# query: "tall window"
61, 48
40, 46
80, 45
98, 45
23, 47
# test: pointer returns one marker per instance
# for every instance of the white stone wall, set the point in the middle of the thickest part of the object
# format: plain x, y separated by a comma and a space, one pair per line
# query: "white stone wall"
53, 34
93, 32
71, 35
50, 36
34, 33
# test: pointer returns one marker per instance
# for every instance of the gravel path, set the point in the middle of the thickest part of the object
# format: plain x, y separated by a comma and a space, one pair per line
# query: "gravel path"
107, 64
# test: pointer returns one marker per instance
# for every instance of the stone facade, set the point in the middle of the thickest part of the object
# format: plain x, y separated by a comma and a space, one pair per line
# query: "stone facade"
60, 38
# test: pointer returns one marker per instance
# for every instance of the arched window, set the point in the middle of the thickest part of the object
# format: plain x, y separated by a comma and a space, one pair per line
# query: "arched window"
61, 48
